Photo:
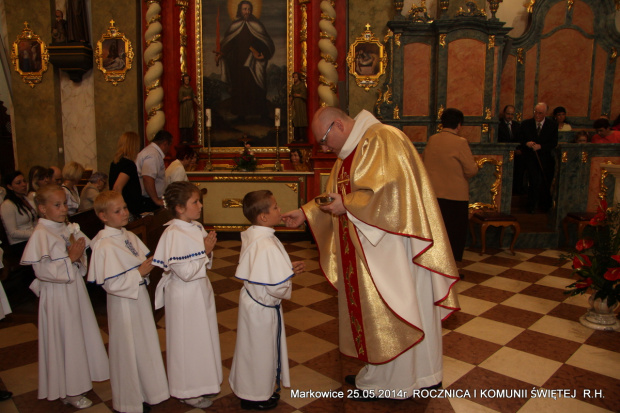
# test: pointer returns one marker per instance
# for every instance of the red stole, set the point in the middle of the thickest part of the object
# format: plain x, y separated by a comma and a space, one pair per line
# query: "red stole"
349, 263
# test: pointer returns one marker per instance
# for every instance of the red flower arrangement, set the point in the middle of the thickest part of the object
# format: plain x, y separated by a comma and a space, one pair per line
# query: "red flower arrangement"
596, 261
245, 160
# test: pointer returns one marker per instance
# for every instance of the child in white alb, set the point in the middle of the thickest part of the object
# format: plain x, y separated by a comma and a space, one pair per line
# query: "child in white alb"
71, 352
192, 336
260, 362
120, 266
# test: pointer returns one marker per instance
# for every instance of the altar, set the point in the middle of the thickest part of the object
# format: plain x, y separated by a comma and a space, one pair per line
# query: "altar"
222, 204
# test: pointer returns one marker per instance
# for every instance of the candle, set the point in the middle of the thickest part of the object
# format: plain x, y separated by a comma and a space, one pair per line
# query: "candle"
277, 117
208, 114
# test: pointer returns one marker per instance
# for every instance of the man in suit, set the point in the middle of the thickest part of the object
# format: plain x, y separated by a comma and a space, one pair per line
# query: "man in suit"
539, 137
508, 131
508, 128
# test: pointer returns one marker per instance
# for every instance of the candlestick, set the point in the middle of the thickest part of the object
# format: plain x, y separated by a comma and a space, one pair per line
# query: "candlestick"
278, 165
277, 117
209, 166
208, 115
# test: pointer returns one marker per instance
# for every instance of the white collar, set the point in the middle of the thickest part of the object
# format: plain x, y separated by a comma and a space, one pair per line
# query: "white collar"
363, 121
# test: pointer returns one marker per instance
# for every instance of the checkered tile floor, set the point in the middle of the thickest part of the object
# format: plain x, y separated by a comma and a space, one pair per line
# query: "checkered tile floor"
517, 332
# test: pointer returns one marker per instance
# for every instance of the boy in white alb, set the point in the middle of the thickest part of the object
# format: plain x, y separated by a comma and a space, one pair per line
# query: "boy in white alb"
260, 361
120, 266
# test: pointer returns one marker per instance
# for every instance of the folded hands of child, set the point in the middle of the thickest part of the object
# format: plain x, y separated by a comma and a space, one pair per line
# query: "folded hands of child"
76, 249
210, 241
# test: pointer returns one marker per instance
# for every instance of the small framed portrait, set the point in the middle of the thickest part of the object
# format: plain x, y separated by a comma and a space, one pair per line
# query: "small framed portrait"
114, 55
367, 59
30, 57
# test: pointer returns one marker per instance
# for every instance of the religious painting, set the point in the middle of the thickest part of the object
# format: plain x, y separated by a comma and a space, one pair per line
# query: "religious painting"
30, 57
367, 59
244, 69
114, 55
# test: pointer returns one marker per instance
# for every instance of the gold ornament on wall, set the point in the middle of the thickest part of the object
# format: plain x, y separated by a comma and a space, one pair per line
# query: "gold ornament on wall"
520, 58
367, 59
29, 56
442, 40
114, 55
491, 41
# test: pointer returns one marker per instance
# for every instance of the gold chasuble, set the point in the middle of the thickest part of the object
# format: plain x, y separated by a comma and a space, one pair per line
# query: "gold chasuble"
386, 191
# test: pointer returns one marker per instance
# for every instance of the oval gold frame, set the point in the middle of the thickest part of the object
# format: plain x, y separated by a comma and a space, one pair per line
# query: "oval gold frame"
114, 75
368, 72
30, 77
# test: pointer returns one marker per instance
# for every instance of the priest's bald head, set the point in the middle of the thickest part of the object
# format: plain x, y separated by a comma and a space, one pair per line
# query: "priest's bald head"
331, 128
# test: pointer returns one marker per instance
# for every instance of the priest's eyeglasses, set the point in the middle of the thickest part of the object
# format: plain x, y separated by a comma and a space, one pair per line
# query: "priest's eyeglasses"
322, 141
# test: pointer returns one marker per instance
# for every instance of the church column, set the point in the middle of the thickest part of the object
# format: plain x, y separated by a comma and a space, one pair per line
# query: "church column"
153, 104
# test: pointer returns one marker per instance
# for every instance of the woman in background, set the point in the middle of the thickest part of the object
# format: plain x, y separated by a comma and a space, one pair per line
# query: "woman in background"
71, 175
37, 177
559, 114
18, 216
124, 172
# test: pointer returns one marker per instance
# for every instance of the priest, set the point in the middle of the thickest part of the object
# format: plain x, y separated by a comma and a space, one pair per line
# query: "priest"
383, 246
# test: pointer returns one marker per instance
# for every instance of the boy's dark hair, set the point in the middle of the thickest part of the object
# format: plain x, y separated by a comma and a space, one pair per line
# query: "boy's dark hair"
601, 123
185, 151
162, 136
256, 203
178, 193
451, 118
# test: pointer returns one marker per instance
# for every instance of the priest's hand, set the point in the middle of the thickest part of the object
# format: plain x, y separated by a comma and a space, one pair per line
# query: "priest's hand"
294, 219
336, 207
299, 267
146, 267
210, 241
76, 249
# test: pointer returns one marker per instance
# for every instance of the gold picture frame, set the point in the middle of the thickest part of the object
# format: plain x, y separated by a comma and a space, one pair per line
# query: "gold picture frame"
114, 55
30, 56
367, 59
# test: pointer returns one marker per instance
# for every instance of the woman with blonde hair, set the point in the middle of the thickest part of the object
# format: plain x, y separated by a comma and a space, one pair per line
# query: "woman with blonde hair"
37, 177
71, 175
124, 173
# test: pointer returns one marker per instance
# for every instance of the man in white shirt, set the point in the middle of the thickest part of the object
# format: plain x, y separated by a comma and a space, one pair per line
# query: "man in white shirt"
152, 171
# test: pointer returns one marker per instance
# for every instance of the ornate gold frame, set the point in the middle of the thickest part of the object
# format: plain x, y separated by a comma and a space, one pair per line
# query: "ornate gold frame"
114, 75
367, 44
30, 77
495, 187
290, 60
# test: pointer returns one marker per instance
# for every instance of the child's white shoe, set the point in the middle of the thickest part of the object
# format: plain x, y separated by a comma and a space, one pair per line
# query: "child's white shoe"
198, 402
79, 402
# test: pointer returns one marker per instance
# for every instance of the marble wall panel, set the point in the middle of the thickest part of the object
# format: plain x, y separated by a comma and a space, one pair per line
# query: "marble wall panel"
557, 84
471, 133
531, 57
598, 84
416, 79
508, 83
595, 180
78, 120
555, 17
465, 79
615, 99
416, 133
34, 118
583, 16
